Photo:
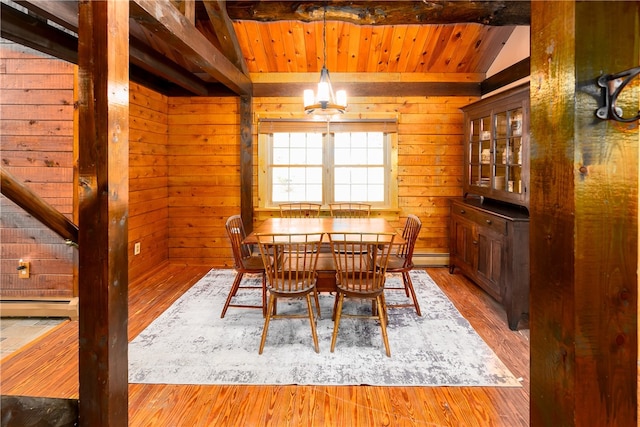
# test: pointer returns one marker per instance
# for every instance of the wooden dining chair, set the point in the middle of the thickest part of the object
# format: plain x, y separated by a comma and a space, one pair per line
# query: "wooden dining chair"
244, 262
401, 261
350, 210
292, 274
300, 210
361, 260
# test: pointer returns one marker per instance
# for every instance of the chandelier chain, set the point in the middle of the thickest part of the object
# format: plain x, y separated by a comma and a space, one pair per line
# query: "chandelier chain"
324, 36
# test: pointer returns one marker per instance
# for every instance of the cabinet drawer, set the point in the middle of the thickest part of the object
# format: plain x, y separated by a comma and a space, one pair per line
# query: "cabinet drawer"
483, 219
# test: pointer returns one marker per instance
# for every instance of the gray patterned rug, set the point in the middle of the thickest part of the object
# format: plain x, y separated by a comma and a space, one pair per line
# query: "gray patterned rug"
190, 344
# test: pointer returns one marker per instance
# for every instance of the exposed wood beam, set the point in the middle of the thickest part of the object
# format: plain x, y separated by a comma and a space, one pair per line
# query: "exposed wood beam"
375, 89
509, 75
62, 12
225, 33
36, 34
103, 177
163, 20
34, 205
496, 13
155, 63
246, 162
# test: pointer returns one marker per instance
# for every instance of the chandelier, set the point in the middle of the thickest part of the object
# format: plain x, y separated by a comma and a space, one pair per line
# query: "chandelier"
324, 101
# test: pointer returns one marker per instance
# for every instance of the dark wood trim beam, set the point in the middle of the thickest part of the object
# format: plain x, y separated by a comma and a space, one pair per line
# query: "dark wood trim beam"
34, 205
103, 179
223, 27
246, 162
62, 12
163, 20
517, 71
158, 65
498, 13
375, 89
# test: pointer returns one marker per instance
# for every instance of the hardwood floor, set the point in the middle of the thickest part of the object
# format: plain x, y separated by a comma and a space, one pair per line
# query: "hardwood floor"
49, 368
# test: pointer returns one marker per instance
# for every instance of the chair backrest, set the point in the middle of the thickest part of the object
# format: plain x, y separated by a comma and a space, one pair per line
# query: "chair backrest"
290, 260
300, 210
361, 260
410, 234
236, 233
350, 210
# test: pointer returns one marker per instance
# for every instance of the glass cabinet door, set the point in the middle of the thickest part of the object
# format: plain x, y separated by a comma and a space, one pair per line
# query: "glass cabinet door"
480, 152
507, 172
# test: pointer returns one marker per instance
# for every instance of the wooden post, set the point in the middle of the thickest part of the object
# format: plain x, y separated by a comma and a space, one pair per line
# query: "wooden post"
103, 163
246, 162
584, 218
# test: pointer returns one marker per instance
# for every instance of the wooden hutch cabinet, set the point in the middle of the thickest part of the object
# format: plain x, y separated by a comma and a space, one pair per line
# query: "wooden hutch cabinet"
489, 229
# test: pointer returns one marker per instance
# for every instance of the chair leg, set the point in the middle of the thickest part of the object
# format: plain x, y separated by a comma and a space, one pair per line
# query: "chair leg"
408, 285
232, 293
335, 306
312, 320
337, 314
315, 296
383, 325
272, 303
264, 295
385, 310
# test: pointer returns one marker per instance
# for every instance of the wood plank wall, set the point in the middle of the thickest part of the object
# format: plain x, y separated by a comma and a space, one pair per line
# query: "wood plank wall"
36, 135
36, 146
204, 184
148, 180
204, 178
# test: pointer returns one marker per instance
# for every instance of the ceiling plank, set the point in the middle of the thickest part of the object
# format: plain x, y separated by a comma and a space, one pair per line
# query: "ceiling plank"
174, 29
498, 12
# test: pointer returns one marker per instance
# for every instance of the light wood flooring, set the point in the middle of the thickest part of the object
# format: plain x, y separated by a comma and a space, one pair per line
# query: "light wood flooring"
48, 367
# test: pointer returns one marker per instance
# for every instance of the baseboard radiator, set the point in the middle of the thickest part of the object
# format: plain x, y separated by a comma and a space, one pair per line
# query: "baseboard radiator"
59, 307
423, 259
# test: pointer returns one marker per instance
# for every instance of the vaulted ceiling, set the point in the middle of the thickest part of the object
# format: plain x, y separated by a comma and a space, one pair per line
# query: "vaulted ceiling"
213, 47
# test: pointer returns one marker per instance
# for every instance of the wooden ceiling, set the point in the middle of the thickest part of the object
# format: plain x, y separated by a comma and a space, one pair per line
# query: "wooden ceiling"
294, 46
213, 47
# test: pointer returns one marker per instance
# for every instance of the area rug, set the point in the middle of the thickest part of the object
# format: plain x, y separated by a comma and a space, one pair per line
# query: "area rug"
190, 344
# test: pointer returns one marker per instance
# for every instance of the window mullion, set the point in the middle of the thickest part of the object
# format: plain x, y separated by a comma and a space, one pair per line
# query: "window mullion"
327, 191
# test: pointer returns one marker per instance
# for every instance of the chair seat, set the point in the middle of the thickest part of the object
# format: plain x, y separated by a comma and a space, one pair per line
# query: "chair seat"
254, 262
397, 263
299, 288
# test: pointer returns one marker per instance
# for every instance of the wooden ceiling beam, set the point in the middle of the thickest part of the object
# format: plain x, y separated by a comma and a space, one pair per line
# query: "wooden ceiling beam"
380, 89
167, 23
223, 28
63, 13
497, 13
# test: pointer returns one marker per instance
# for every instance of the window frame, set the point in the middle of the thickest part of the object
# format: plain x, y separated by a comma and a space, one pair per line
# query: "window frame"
267, 127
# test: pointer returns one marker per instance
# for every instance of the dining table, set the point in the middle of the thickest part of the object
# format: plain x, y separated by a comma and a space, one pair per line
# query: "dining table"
325, 269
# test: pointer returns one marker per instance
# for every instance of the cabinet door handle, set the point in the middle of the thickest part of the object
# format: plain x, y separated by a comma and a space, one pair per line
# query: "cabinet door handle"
489, 221
462, 211
475, 242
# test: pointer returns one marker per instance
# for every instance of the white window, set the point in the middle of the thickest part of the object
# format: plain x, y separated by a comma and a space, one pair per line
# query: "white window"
325, 163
